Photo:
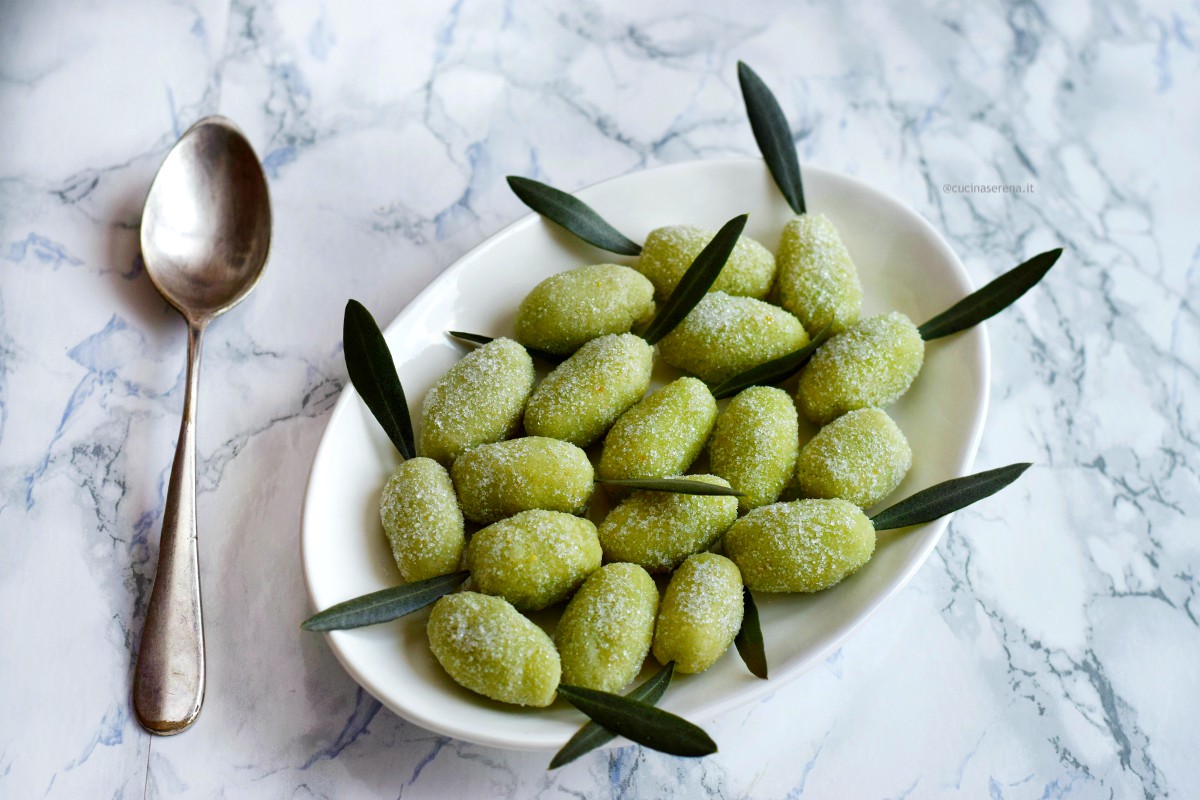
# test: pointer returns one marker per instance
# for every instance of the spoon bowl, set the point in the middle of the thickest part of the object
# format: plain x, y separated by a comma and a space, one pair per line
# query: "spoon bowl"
206, 229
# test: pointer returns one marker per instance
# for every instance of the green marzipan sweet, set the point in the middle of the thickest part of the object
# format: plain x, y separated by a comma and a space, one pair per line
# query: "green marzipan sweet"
870, 365
670, 250
661, 435
861, 457
659, 530
801, 546
534, 559
478, 401
569, 309
585, 394
725, 335
604, 634
817, 280
422, 520
486, 646
700, 613
498, 480
754, 444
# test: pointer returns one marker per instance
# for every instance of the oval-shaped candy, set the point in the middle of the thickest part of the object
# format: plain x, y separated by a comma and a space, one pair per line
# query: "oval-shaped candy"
700, 613
754, 444
662, 434
816, 279
571, 308
604, 633
860, 457
801, 546
535, 558
669, 251
658, 530
585, 394
479, 400
498, 480
726, 335
488, 647
422, 520
870, 365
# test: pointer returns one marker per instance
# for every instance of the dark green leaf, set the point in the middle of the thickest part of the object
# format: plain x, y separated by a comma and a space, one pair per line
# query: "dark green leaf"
749, 640
947, 497
573, 214
472, 338
696, 281
777, 370
591, 735
640, 722
991, 299
373, 374
479, 338
384, 605
676, 485
773, 135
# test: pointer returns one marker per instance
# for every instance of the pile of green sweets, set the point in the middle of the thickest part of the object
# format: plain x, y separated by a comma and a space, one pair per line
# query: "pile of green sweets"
529, 491
505, 452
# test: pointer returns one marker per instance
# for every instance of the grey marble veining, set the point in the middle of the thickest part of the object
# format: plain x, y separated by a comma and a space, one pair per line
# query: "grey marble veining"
1047, 650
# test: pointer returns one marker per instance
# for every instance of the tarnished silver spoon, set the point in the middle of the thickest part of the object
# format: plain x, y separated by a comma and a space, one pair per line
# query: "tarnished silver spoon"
206, 229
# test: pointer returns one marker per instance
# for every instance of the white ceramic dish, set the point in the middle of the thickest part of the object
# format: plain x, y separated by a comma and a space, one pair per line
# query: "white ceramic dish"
903, 263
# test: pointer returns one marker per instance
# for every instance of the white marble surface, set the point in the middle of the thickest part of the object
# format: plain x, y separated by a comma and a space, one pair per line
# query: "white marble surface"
1049, 649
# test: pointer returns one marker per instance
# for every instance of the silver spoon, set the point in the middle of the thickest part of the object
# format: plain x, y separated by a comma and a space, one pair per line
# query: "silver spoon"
206, 229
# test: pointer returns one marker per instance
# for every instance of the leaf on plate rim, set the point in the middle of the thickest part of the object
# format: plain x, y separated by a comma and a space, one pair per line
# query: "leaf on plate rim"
373, 373
573, 214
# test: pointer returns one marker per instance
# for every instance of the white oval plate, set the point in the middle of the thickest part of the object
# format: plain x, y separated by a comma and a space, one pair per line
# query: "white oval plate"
903, 263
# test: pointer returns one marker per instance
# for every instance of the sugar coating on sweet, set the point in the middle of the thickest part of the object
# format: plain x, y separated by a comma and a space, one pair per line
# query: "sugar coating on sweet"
817, 280
670, 251
726, 335
604, 634
422, 520
659, 530
500, 479
571, 308
801, 546
754, 444
860, 457
700, 613
662, 434
534, 559
487, 646
584, 395
479, 400
870, 365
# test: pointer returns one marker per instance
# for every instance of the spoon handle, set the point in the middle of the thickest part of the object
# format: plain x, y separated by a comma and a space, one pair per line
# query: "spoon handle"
168, 685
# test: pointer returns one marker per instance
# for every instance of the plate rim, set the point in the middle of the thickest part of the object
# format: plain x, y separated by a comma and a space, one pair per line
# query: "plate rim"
755, 691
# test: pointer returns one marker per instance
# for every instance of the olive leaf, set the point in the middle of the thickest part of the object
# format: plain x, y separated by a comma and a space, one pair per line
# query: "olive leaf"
774, 371
373, 373
773, 135
384, 605
749, 639
480, 339
991, 299
681, 485
573, 214
946, 497
696, 282
640, 722
471, 338
593, 735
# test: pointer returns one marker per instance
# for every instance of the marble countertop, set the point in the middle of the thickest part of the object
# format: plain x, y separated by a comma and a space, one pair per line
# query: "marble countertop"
1048, 649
